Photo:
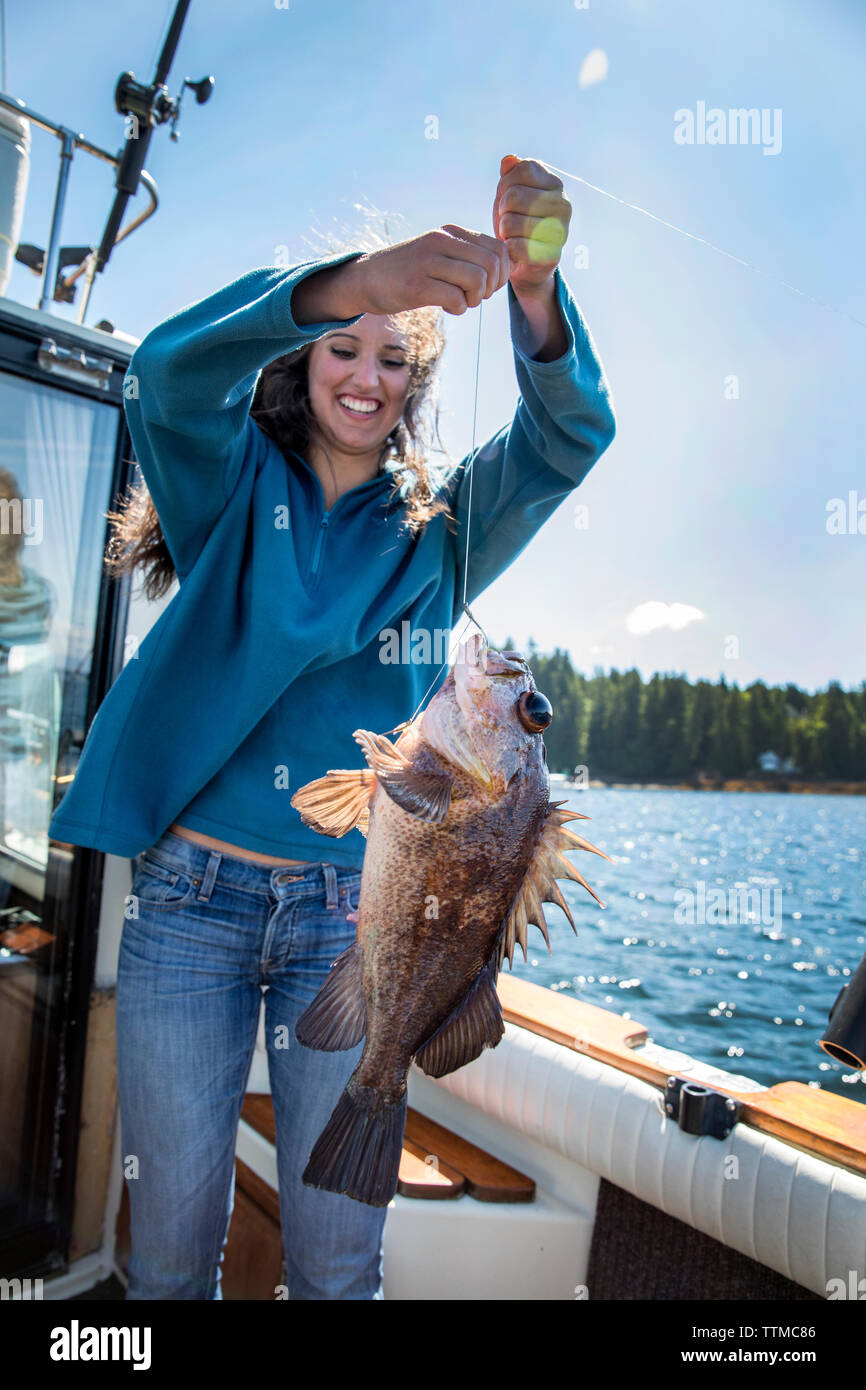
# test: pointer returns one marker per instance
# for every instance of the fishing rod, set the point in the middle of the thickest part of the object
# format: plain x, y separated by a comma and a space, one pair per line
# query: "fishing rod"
146, 107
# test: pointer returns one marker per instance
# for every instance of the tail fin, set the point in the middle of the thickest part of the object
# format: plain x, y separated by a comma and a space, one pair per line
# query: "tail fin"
358, 1151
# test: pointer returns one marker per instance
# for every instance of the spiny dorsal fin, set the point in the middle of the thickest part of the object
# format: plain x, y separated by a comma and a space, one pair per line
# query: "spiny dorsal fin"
425, 793
539, 885
567, 815
554, 895
567, 870
568, 840
338, 802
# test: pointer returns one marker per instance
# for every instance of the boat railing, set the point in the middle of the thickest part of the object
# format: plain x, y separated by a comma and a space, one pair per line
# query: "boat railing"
71, 140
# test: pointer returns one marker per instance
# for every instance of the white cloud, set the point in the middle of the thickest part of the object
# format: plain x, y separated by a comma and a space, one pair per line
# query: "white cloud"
594, 68
648, 617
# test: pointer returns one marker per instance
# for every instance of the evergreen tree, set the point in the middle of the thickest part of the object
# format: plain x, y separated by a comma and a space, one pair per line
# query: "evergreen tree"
699, 724
760, 723
837, 730
736, 762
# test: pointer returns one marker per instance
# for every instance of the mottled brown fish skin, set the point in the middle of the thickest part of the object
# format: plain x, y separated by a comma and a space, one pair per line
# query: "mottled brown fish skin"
417, 967
462, 849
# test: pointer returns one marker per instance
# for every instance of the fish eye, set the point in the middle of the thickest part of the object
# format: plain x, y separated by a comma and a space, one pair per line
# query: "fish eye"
534, 711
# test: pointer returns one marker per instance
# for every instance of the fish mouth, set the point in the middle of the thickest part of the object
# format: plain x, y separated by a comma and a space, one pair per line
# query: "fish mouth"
491, 661
507, 665
468, 726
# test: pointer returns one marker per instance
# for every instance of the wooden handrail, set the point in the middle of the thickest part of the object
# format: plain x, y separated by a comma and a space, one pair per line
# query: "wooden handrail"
819, 1122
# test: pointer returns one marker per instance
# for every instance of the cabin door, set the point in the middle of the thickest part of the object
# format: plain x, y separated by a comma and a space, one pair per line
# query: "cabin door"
63, 445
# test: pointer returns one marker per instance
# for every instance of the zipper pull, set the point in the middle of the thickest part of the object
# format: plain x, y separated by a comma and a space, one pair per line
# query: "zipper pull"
317, 551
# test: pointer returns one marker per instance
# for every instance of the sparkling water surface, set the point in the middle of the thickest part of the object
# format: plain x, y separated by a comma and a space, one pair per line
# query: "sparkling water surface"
743, 979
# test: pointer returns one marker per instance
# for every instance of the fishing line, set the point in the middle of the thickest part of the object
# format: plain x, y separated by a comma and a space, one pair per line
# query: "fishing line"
720, 251
465, 606
469, 466
447, 662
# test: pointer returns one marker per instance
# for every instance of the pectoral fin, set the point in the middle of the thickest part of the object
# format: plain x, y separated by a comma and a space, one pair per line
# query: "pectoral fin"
336, 1020
539, 885
423, 792
338, 802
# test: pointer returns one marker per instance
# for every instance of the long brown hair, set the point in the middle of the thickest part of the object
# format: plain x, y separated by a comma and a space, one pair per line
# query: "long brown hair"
281, 409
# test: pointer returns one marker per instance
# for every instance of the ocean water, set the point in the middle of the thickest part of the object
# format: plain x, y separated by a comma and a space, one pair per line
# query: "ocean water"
732, 920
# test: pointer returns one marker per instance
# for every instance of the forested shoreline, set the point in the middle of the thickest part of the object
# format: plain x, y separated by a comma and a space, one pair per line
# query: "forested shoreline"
618, 726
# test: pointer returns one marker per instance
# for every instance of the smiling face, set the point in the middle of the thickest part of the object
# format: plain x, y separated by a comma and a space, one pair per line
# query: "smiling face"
358, 383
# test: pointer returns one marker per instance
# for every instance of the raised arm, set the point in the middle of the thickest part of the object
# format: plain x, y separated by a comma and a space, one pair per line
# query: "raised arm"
563, 423
190, 383
191, 380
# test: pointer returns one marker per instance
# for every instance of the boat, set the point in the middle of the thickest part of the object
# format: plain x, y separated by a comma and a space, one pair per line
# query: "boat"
578, 1160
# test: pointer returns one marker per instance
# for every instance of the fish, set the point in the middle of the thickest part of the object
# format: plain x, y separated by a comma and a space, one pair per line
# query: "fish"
463, 848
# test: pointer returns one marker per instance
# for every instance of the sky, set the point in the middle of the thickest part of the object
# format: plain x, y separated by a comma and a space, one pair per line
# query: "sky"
739, 402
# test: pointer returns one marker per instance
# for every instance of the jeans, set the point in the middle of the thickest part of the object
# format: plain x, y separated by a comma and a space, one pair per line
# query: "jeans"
212, 932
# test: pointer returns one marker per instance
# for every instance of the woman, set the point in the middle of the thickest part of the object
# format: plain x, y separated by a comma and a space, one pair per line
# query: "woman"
298, 547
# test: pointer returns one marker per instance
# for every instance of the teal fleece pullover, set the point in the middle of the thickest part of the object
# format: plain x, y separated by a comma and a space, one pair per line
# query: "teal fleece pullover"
271, 652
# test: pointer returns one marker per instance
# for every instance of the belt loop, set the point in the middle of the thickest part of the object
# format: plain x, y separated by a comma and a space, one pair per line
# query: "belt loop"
210, 874
331, 885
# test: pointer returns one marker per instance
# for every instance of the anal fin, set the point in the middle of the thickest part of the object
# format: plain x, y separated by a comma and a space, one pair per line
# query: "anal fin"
476, 1023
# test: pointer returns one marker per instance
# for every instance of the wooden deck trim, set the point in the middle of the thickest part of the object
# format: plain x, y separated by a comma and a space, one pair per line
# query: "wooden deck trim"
488, 1179
819, 1122
258, 1112
460, 1166
432, 1182
260, 1191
